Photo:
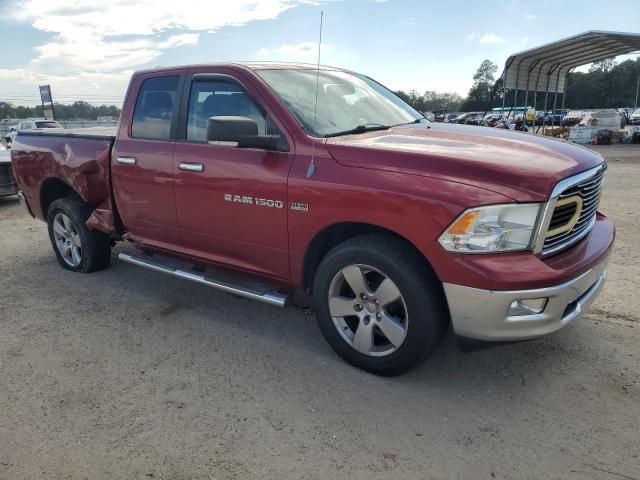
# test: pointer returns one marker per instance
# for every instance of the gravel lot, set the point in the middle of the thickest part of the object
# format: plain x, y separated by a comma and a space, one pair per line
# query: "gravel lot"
127, 373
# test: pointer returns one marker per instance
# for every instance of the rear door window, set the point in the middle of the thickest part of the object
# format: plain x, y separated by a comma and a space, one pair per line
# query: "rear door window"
155, 108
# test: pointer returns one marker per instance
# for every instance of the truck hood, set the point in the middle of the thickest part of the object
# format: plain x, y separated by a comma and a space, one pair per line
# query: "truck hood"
519, 165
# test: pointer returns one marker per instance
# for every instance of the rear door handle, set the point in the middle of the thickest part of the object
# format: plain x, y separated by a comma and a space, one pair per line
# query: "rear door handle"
126, 160
191, 167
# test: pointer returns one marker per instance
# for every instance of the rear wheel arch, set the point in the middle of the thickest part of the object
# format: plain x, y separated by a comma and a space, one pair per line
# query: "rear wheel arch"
53, 189
77, 247
325, 240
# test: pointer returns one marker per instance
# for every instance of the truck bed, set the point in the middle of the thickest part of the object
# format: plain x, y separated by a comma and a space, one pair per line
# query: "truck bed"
94, 133
79, 158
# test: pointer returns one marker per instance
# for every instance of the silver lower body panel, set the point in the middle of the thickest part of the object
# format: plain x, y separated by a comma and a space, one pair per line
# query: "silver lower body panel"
484, 314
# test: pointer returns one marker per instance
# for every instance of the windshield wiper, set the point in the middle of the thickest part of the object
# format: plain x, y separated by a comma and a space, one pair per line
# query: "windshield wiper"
369, 127
417, 120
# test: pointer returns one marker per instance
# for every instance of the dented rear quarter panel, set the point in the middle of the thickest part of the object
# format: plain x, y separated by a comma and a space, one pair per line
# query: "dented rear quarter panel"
82, 162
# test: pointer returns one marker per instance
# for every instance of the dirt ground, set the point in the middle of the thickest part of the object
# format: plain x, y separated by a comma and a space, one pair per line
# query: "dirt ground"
130, 374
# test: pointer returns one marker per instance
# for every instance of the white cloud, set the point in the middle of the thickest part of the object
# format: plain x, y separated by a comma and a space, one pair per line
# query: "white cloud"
487, 38
298, 51
180, 40
530, 16
23, 83
94, 45
107, 36
491, 38
524, 40
408, 20
304, 49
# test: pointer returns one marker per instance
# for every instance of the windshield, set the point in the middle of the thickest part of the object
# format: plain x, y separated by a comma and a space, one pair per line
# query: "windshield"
47, 125
346, 101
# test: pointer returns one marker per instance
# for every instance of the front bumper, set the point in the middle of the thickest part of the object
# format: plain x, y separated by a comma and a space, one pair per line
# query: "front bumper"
484, 314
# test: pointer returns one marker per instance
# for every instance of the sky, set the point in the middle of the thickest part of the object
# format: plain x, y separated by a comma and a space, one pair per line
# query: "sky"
87, 49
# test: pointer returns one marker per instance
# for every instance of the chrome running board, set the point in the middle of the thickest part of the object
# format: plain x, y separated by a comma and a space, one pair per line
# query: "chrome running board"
253, 291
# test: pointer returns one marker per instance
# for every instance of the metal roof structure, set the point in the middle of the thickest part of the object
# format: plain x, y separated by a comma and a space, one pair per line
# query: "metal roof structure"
545, 68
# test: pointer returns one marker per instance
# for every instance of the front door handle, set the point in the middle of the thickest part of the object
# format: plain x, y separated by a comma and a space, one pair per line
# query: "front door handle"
126, 160
191, 167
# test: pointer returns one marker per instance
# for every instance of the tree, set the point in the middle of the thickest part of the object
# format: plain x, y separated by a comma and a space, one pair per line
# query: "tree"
603, 65
78, 110
479, 96
485, 73
598, 88
431, 100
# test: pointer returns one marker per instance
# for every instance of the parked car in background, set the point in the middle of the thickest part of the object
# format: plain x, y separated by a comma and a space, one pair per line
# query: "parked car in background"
7, 183
626, 110
491, 119
511, 114
607, 118
470, 118
9, 135
429, 116
634, 118
451, 117
440, 115
554, 117
31, 124
572, 118
397, 227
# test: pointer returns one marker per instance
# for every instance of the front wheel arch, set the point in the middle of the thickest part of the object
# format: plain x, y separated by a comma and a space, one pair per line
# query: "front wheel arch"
331, 236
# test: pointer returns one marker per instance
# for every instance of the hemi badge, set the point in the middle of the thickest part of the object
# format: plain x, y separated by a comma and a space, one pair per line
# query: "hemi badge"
301, 207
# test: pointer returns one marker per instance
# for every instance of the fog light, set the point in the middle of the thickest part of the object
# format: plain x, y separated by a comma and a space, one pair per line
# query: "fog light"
527, 306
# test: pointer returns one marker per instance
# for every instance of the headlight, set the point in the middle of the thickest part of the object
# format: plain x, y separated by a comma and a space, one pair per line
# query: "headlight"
495, 228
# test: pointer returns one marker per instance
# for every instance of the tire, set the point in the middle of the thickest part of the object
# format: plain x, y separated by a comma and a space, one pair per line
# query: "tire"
416, 321
85, 250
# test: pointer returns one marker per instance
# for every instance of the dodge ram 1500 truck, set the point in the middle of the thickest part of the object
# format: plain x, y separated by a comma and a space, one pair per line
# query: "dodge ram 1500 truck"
267, 179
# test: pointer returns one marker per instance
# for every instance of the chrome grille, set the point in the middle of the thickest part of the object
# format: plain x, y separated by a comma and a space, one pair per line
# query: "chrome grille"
589, 191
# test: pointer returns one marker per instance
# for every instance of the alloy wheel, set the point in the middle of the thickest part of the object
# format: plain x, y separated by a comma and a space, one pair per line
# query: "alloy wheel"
67, 240
368, 310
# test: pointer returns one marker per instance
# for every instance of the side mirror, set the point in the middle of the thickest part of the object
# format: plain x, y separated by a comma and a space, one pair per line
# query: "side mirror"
242, 132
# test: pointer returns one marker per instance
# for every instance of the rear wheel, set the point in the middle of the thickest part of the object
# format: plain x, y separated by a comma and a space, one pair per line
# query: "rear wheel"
77, 248
378, 304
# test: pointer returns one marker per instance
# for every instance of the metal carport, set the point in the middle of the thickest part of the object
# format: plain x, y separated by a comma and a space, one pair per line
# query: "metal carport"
545, 68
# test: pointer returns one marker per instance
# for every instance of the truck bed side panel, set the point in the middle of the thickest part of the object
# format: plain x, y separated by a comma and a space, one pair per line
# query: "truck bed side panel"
83, 163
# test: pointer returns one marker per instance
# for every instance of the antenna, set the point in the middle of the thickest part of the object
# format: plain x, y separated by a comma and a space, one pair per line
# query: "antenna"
312, 166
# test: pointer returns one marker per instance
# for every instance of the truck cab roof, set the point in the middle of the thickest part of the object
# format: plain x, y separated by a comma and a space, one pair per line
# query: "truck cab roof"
247, 65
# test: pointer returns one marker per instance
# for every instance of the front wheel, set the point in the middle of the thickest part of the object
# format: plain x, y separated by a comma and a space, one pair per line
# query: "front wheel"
77, 248
379, 305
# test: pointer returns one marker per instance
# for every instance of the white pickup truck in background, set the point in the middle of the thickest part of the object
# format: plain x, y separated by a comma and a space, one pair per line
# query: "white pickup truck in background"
30, 124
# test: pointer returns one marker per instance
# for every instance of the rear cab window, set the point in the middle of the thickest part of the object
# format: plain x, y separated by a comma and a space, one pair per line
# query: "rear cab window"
47, 125
155, 108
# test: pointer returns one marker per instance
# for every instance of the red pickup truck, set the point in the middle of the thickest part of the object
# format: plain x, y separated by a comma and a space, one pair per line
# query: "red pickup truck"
267, 179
